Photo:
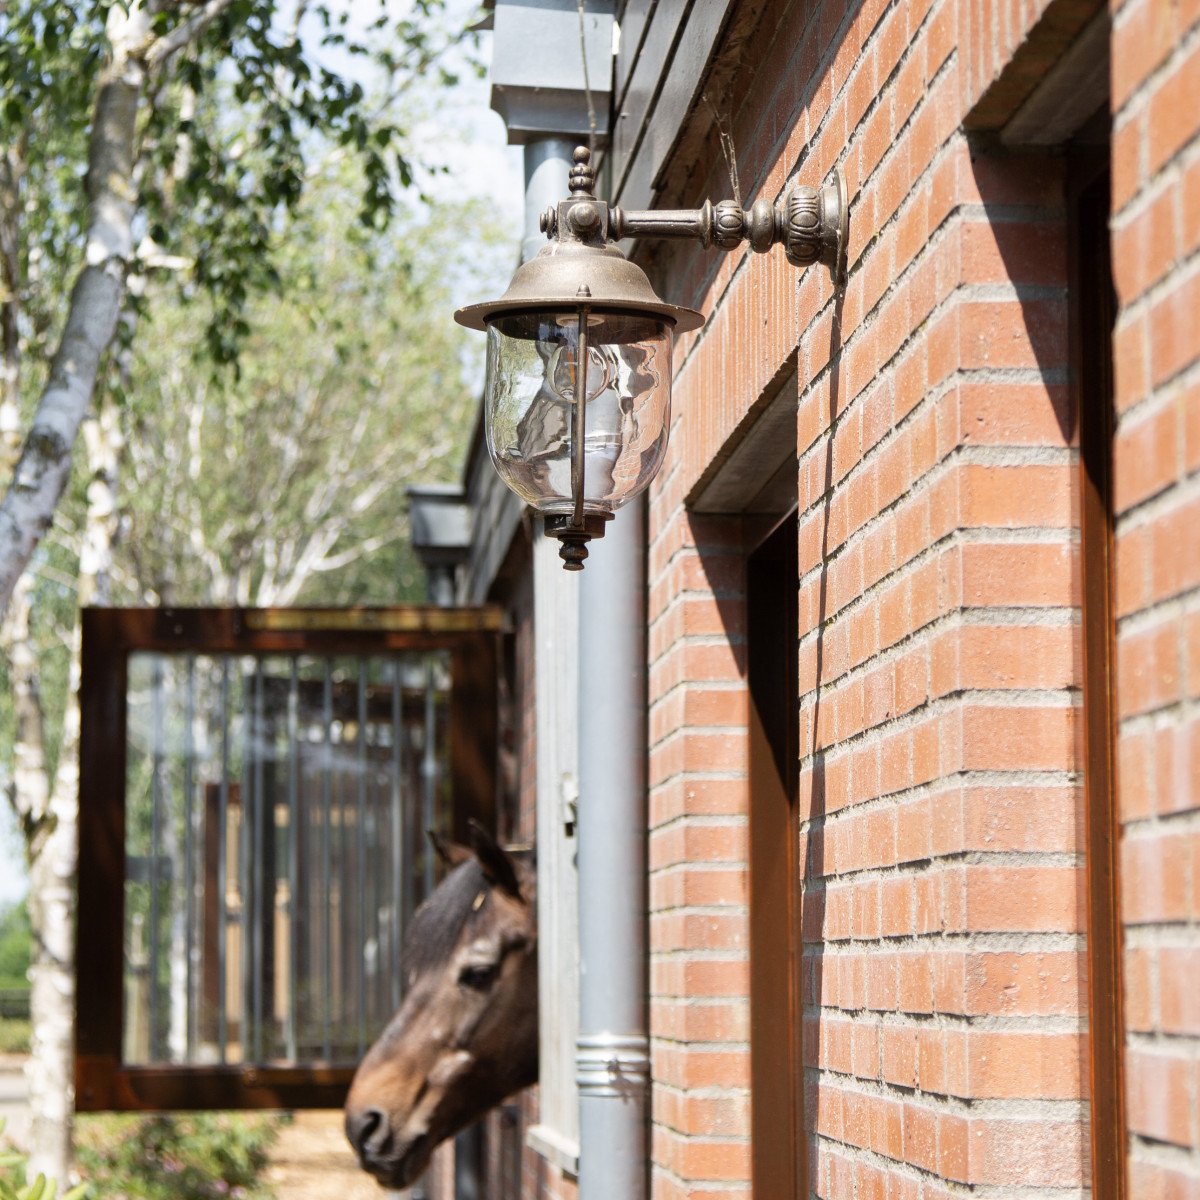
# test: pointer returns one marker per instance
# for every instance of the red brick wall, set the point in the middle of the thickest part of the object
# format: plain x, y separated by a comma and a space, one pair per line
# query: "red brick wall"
1156, 239
945, 1045
697, 850
943, 912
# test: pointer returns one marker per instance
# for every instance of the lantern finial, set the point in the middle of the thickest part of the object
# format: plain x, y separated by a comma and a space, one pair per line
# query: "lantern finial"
582, 179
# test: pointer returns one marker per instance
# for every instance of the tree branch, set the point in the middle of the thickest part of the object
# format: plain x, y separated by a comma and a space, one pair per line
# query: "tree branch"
179, 37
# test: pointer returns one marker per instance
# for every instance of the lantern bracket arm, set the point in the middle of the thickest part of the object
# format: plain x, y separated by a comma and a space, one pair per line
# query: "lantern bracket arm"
810, 223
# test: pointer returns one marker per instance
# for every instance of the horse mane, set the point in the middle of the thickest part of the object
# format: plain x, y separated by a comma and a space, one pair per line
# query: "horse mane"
457, 903
438, 923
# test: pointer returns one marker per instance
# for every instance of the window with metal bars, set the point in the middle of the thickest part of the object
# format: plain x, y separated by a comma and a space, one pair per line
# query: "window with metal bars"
255, 786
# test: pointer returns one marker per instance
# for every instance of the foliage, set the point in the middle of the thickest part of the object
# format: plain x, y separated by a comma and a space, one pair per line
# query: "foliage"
177, 1156
225, 139
15, 944
286, 484
12, 1180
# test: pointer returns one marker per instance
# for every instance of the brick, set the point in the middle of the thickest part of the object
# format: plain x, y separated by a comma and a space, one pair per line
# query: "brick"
1016, 497
1010, 414
1145, 457
1145, 249
1159, 1100
1023, 1064
1014, 251
1051, 898
1026, 737
1174, 552
1028, 1153
1021, 818
1155, 883
1179, 970
1174, 338
1016, 983
1174, 111
1001, 333
1032, 575
920, 1136
1131, 361
1148, 666
1139, 970
1151, 1181
1128, 155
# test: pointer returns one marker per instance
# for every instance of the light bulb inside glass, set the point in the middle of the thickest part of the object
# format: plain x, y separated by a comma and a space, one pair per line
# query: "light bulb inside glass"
562, 371
533, 379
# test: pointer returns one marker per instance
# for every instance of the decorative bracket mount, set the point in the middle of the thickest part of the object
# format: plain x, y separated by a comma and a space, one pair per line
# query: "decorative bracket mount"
810, 223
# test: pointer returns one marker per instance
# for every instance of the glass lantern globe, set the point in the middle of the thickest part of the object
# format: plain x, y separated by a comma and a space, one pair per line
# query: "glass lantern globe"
534, 377
577, 403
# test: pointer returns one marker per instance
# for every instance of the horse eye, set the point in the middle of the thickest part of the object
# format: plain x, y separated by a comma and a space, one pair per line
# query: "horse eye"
478, 975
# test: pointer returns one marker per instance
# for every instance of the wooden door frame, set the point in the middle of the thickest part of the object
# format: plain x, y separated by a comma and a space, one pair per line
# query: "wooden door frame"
1092, 316
776, 1044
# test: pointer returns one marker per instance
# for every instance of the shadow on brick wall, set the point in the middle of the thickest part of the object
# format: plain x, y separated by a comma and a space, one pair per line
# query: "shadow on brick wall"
812, 822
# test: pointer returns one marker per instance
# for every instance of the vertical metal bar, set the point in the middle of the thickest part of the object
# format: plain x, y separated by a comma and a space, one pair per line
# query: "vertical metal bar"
156, 790
326, 857
260, 911
429, 769
223, 871
189, 857
360, 855
579, 431
293, 802
397, 925
245, 852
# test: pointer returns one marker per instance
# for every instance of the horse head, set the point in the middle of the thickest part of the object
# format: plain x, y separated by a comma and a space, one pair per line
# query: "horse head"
465, 1036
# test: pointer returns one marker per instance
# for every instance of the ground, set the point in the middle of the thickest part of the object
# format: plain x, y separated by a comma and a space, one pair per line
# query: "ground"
312, 1161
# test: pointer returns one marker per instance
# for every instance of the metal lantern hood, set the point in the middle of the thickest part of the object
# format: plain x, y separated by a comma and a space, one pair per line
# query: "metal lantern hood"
577, 402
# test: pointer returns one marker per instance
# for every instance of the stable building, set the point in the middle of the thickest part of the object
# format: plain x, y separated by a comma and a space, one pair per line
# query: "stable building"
863, 757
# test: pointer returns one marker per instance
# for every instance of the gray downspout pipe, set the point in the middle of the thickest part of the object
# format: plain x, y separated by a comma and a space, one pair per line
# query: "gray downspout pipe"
612, 1053
547, 166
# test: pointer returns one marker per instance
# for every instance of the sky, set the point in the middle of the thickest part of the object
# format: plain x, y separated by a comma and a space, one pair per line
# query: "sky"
467, 137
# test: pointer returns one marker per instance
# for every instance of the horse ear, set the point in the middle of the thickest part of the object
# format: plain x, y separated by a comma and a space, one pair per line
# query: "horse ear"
498, 867
451, 853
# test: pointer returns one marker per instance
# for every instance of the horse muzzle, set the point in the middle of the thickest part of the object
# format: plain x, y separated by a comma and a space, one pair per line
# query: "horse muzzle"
394, 1163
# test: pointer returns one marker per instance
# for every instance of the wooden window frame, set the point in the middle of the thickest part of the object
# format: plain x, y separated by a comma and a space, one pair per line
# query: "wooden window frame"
103, 1080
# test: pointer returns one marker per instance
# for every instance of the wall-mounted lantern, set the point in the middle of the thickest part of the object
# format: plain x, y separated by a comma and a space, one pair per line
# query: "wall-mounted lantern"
577, 403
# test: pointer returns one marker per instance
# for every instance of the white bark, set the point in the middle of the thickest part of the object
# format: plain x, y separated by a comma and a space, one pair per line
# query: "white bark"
30, 794
52, 845
50, 1069
45, 462
11, 170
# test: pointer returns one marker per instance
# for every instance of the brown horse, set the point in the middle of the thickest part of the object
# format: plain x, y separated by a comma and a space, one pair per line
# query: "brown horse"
465, 1036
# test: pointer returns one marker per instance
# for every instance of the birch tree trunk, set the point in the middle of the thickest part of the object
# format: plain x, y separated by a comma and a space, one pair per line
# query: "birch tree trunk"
45, 463
52, 846
11, 168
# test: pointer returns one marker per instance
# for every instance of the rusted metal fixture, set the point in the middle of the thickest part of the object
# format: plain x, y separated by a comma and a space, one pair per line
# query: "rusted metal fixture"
578, 395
